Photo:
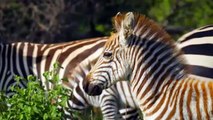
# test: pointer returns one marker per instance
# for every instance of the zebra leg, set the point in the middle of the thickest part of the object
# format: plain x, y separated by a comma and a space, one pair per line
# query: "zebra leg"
129, 113
109, 107
76, 102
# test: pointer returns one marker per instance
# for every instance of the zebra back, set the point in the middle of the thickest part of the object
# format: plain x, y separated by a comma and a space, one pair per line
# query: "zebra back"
197, 46
24, 58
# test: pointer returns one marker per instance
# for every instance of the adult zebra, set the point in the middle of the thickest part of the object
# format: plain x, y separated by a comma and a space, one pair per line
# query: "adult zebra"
24, 58
197, 46
28, 58
145, 54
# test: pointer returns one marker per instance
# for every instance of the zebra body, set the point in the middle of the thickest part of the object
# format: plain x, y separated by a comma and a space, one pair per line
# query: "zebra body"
197, 46
145, 54
25, 58
28, 58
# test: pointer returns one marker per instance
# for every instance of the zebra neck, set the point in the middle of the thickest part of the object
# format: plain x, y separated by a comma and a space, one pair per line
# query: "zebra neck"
155, 66
154, 63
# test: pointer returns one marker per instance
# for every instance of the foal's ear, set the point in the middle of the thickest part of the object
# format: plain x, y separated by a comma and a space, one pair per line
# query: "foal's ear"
117, 21
127, 26
128, 21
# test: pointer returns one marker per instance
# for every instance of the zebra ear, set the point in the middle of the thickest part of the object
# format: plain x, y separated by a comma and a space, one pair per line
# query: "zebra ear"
126, 27
117, 21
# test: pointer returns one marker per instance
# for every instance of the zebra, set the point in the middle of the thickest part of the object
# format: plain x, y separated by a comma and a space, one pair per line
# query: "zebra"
186, 48
197, 46
143, 53
24, 58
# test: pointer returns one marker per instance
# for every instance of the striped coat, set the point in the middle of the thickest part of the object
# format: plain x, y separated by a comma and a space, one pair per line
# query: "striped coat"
28, 58
140, 51
197, 46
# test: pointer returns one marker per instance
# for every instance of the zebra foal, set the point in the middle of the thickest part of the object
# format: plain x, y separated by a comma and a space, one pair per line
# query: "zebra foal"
140, 51
190, 43
190, 47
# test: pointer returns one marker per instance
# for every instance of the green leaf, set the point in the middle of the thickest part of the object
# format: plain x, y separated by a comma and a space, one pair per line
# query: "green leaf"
34, 102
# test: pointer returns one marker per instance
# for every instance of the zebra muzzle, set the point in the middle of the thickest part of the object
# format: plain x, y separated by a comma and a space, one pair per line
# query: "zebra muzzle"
92, 88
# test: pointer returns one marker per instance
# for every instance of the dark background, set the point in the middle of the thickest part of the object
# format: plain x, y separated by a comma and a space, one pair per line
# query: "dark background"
48, 21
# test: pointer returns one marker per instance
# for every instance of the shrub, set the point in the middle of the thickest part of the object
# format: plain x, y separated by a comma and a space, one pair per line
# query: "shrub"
34, 102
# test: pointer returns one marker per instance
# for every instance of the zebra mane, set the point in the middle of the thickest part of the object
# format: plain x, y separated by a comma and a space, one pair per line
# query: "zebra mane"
139, 25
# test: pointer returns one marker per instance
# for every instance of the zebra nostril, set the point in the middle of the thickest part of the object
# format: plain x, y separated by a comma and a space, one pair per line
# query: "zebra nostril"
90, 87
97, 90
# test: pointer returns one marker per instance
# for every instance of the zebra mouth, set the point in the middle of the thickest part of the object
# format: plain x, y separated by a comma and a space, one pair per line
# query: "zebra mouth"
93, 89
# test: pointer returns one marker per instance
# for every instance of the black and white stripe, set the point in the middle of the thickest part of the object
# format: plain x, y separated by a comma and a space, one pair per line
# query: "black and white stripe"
197, 46
24, 58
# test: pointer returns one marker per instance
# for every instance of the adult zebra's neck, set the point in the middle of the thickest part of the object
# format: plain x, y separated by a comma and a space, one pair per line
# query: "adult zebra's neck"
155, 65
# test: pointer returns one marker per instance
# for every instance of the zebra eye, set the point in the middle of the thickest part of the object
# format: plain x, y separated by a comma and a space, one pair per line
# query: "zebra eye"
107, 54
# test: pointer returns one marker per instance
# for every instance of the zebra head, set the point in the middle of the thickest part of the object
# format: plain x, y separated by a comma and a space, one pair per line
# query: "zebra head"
138, 41
113, 64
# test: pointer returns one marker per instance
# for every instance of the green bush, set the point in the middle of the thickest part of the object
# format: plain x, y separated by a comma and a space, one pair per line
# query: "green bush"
34, 102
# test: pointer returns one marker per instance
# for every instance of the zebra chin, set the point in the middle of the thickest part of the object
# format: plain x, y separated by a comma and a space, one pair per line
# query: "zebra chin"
92, 88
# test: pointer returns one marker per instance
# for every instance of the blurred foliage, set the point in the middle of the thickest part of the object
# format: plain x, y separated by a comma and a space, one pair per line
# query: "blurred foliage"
34, 102
88, 114
182, 15
47, 21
